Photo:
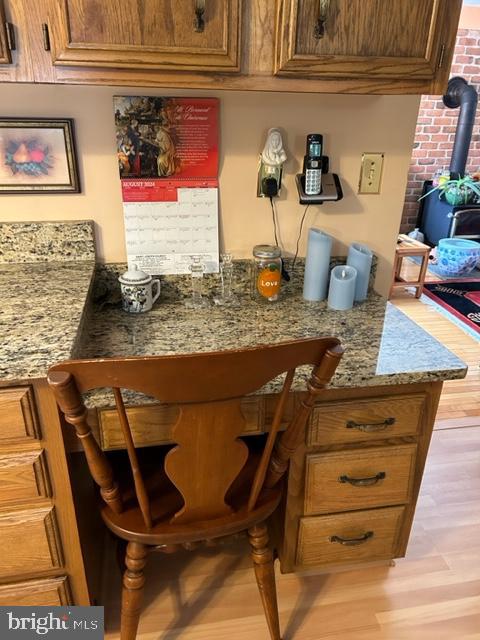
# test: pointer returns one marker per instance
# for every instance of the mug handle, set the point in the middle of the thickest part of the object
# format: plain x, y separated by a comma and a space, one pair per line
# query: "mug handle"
157, 282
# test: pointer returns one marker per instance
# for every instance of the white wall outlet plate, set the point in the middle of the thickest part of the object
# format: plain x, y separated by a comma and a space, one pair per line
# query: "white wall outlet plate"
371, 173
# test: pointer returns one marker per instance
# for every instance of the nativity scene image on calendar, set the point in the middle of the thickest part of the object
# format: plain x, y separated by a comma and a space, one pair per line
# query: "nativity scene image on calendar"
163, 137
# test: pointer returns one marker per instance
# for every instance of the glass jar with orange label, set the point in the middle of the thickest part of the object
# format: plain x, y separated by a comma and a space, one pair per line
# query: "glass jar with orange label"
267, 272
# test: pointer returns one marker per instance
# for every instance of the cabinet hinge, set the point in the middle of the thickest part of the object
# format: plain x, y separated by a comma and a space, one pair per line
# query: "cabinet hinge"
441, 56
10, 33
46, 37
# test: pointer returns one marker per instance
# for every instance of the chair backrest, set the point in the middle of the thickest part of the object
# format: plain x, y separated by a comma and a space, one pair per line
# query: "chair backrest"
208, 389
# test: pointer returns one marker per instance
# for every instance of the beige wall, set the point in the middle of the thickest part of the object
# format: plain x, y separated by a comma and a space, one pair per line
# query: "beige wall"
469, 17
350, 124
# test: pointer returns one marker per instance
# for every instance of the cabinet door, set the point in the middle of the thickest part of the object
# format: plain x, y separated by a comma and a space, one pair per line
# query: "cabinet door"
362, 38
18, 420
5, 57
146, 34
29, 540
50, 592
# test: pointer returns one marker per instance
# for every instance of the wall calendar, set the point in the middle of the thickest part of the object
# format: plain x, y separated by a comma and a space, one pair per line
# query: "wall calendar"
167, 150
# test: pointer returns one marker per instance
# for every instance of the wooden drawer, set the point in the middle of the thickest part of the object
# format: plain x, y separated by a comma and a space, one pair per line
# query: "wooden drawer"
23, 476
367, 536
359, 479
153, 424
17, 415
29, 541
51, 592
150, 425
369, 419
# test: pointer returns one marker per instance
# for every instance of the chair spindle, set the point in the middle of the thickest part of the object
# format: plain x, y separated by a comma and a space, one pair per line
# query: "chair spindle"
292, 437
261, 472
140, 490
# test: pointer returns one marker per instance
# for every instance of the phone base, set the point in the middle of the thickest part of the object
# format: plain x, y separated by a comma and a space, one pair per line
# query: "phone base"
331, 189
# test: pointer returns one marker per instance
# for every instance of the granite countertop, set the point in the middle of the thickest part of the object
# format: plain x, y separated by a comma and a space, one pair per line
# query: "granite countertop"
383, 346
50, 312
46, 274
41, 315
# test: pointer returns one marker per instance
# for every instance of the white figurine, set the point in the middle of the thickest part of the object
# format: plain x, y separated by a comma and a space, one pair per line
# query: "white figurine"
273, 153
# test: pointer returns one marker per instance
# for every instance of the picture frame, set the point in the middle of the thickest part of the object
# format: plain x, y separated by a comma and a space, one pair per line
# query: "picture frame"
37, 155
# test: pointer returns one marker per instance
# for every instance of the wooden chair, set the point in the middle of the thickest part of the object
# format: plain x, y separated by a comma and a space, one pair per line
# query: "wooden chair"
209, 485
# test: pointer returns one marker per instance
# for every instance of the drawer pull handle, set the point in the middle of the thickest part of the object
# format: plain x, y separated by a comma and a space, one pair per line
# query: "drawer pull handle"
323, 8
364, 482
199, 21
370, 426
353, 542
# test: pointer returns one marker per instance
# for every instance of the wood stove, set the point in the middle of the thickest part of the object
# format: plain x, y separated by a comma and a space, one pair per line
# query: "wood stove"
436, 218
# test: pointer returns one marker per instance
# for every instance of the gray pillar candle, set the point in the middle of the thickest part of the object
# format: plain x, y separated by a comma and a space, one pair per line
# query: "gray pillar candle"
317, 265
342, 288
360, 257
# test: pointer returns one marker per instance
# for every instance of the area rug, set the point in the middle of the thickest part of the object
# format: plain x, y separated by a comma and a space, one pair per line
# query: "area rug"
460, 298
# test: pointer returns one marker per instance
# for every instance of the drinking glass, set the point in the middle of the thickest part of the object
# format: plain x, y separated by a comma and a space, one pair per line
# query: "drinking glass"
226, 296
197, 269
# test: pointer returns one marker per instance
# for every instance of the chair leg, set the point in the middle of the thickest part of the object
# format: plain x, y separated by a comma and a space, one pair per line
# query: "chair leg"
262, 557
133, 581
120, 554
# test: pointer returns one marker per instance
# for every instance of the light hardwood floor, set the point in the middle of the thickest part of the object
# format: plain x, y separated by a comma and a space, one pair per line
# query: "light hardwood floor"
460, 401
432, 594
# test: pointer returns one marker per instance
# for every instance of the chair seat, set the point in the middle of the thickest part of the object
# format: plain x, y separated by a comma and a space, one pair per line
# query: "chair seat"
166, 501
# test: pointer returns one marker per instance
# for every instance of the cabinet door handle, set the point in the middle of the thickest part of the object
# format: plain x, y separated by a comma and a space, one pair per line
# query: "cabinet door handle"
199, 20
323, 7
10, 33
441, 57
46, 37
352, 542
370, 426
364, 482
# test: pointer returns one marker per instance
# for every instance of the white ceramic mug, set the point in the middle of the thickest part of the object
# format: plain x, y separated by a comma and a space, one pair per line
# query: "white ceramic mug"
138, 291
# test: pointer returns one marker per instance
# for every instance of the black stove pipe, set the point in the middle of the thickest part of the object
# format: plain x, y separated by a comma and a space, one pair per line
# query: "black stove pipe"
463, 95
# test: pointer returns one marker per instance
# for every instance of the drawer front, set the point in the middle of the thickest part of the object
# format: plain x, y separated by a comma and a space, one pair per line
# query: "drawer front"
359, 479
51, 592
23, 476
29, 541
153, 424
369, 419
17, 415
361, 536
150, 425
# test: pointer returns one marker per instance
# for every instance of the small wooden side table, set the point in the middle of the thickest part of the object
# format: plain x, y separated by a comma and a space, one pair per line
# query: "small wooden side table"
409, 247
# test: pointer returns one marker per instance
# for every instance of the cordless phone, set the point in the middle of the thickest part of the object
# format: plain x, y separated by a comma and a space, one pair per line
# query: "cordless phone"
314, 145
312, 165
313, 176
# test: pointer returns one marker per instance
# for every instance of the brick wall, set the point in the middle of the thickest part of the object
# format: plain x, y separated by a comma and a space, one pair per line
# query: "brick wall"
436, 126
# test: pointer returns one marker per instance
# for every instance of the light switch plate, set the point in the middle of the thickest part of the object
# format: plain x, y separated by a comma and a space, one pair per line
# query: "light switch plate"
371, 173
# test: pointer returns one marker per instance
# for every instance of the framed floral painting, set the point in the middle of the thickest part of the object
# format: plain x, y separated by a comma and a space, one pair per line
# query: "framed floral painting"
38, 156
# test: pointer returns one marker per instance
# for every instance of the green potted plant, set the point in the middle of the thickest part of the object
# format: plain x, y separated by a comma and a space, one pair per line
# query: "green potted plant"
456, 191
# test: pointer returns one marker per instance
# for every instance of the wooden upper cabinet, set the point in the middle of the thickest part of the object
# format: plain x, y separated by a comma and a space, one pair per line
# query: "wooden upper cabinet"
363, 38
5, 57
146, 34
